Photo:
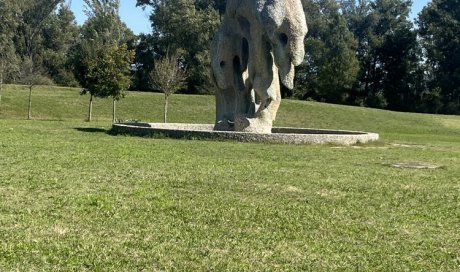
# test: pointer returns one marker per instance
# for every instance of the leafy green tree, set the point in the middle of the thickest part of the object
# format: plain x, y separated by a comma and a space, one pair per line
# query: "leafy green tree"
330, 66
109, 75
31, 17
168, 76
388, 53
201, 19
60, 33
144, 62
439, 29
9, 20
83, 55
34, 16
102, 60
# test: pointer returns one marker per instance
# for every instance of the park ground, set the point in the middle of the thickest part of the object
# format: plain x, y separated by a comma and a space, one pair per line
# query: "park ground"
73, 197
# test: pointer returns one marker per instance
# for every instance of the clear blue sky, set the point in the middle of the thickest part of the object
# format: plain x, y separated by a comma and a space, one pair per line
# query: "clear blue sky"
138, 20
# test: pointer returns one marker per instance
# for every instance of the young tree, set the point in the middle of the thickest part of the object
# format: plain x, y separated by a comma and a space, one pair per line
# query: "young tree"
30, 76
109, 75
102, 60
168, 76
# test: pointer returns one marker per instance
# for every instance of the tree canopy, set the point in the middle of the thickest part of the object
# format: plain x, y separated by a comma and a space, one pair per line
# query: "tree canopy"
363, 52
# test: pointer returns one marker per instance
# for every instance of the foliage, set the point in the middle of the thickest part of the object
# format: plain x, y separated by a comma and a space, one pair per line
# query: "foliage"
109, 74
439, 27
102, 59
169, 76
193, 41
9, 22
33, 18
388, 52
364, 52
60, 33
330, 66
144, 62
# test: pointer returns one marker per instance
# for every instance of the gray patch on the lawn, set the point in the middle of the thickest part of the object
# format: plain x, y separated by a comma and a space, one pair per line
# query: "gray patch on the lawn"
407, 145
415, 165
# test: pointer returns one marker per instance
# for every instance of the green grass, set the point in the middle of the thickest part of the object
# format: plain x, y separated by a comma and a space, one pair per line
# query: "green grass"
73, 197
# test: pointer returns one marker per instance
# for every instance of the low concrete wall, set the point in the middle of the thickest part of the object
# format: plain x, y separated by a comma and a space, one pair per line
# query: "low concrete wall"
278, 135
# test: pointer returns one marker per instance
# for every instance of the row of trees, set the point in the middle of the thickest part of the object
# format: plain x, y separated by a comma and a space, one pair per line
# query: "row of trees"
370, 53
41, 43
365, 53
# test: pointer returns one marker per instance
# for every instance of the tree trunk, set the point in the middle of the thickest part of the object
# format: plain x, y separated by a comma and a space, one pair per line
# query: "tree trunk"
2, 67
29, 115
166, 109
114, 109
2, 70
90, 110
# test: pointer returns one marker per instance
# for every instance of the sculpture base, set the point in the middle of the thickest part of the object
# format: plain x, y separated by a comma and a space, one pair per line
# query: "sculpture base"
253, 125
277, 135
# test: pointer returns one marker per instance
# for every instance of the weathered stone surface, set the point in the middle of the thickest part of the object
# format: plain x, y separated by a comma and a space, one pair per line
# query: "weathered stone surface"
278, 135
257, 46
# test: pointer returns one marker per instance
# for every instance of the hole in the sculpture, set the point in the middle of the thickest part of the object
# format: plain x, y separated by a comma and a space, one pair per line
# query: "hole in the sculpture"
283, 39
236, 64
237, 74
222, 64
245, 52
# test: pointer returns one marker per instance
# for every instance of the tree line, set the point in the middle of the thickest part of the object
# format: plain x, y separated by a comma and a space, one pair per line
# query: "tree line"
367, 53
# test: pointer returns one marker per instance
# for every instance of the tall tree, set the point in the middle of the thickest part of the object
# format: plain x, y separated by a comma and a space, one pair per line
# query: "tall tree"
9, 18
60, 33
102, 60
201, 19
28, 39
330, 66
144, 62
388, 53
439, 28
34, 16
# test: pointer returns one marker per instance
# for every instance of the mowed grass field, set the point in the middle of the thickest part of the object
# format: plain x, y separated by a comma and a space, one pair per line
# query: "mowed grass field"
75, 198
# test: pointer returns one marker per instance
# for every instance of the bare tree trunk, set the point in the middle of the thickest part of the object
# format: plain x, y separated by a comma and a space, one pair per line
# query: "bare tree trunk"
29, 115
90, 110
166, 109
114, 108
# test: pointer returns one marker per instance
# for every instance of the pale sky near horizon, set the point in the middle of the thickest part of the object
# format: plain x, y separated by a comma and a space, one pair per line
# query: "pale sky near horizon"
138, 19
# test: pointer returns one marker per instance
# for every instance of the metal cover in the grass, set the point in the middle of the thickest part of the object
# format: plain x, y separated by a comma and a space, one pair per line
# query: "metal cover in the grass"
415, 165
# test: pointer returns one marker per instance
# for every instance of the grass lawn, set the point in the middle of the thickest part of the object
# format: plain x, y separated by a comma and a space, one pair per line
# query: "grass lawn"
74, 198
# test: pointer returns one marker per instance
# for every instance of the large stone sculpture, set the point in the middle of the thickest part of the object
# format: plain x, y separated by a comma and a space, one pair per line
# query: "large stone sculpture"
257, 46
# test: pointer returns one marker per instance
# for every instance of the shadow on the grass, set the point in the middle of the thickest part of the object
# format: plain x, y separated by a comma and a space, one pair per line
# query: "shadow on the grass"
93, 130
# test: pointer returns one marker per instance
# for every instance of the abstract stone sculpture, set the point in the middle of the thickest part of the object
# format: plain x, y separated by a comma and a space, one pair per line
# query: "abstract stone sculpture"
259, 43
